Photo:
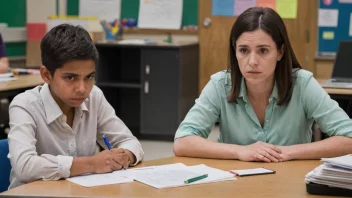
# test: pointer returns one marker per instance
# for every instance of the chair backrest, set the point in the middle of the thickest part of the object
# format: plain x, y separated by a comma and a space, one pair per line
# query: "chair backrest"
5, 166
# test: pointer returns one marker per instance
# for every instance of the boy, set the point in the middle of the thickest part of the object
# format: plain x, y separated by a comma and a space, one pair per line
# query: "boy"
54, 127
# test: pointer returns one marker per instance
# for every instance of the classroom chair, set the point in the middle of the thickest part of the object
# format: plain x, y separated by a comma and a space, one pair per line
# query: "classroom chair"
5, 165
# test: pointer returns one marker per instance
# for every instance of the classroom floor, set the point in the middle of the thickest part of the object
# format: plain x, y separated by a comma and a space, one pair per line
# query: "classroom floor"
160, 149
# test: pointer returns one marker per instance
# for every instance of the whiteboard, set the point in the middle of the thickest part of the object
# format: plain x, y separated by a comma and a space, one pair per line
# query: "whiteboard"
103, 9
160, 14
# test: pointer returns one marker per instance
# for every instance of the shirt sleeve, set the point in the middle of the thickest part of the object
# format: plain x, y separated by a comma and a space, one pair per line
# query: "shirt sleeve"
25, 162
115, 130
2, 48
325, 111
203, 115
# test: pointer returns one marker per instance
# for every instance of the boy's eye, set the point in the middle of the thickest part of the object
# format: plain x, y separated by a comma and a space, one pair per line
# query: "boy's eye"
90, 77
70, 78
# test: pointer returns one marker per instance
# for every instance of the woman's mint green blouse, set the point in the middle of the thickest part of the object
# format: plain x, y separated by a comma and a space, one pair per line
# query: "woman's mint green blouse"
284, 125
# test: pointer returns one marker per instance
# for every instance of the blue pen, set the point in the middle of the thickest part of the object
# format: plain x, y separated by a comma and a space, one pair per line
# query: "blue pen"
107, 142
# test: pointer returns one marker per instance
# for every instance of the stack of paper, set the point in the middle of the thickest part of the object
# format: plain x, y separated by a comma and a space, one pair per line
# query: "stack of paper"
174, 175
335, 172
7, 77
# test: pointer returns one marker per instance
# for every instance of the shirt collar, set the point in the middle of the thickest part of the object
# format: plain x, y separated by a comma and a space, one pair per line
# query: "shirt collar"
243, 91
52, 109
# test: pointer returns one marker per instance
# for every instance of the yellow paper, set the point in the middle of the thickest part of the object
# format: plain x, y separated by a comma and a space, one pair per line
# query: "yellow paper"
328, 35
287, 9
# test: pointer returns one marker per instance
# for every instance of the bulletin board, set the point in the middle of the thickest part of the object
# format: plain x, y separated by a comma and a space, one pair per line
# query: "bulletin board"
334, 24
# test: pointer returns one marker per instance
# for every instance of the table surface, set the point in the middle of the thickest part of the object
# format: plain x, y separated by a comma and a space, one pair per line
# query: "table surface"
288, 181
23, 81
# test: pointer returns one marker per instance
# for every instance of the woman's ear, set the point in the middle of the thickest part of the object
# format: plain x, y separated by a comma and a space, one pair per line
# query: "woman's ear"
46, 76
281, 52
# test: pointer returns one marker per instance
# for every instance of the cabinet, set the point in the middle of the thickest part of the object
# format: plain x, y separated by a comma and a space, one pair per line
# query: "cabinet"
151, 87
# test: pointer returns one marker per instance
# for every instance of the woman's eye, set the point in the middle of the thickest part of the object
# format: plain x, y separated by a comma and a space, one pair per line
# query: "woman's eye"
243, 50
263, 50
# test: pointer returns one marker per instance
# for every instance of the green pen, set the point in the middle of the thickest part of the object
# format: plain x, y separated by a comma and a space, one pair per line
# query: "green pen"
196, 178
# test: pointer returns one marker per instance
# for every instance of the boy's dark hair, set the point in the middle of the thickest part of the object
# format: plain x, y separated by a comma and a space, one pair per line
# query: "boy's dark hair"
65, 43
271, 23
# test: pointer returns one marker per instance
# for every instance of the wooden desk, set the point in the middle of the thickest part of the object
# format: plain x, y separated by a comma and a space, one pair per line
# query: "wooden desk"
287, 182
23, 82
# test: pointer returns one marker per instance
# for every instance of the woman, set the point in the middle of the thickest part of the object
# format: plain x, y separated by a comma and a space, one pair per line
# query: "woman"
265, 103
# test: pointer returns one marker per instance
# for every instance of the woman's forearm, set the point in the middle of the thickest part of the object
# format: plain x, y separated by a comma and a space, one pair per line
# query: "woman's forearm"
330, 147
195, 146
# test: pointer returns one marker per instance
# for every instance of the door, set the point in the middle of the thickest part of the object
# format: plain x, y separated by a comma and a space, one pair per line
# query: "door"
214, 39
160, 91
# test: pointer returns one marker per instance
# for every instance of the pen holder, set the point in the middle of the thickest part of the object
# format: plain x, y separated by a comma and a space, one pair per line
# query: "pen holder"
113, 30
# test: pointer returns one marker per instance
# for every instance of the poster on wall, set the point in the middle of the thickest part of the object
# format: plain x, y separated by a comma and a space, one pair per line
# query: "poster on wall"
160, 14
328, 17
102, 9
285, 8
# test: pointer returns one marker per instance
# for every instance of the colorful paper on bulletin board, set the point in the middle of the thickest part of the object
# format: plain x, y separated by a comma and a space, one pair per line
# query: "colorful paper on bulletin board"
345, 1
267, 3
223, 7
350, 29
243, 5
328, 35
287, 8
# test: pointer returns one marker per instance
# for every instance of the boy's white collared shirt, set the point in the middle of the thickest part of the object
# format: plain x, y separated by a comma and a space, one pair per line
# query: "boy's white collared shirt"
42, 145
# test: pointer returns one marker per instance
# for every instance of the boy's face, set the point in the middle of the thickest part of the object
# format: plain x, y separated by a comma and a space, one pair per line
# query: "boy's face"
72, 83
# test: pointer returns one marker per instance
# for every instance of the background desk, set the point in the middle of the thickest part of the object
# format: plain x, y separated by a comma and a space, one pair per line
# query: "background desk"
287, 182
335, 91
151, 87
342, 96
23, 82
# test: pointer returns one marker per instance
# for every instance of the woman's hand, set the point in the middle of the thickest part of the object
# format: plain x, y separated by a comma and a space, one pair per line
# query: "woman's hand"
260, 151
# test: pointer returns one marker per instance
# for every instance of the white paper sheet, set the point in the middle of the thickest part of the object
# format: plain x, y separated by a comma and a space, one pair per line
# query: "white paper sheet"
174, 175
350, 32
343, 161
99, 179
345, 1
103, 9
6, 79
160, 14
214, 174
328, 17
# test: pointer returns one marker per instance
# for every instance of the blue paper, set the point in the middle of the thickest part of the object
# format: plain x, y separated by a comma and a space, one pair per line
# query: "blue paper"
223, 7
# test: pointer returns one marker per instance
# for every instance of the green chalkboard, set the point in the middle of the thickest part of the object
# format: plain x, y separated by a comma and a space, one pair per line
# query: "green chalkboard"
129, 9
13, 12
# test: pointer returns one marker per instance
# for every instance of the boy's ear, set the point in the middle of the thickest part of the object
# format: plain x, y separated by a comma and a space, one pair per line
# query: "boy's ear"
46, 76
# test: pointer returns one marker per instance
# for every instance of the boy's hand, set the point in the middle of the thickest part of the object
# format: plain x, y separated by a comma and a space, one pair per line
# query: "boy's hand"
126, 157
105, 162
122, 157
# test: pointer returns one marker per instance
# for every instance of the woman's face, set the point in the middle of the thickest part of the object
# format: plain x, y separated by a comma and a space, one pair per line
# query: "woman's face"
257, 56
